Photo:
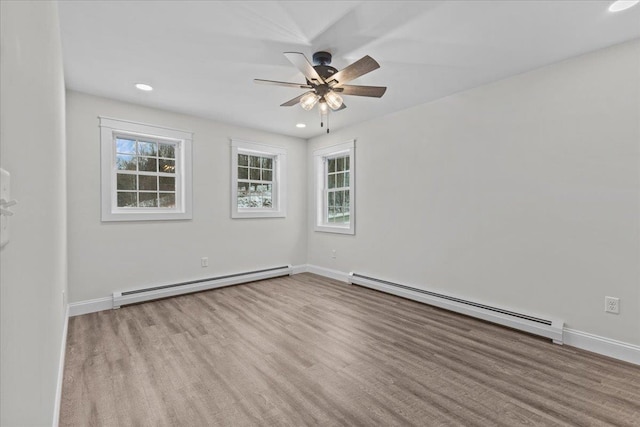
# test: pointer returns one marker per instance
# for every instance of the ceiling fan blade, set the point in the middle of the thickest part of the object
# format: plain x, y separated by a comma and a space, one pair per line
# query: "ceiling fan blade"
359, 68
287, 84
372, 91
302, 63
294, 101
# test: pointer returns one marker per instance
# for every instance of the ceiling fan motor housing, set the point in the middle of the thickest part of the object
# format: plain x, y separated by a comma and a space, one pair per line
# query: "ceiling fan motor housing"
322, 67
325, 71
322, 58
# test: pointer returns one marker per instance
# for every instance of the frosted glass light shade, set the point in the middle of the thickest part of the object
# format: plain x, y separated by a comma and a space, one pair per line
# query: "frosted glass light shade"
334, 101
309, 100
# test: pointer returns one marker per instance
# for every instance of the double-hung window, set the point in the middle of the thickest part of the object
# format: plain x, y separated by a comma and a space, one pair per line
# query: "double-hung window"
334, 188
258, 180
146, 172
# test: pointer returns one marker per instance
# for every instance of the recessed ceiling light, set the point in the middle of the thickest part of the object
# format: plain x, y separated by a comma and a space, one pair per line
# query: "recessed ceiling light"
301, 125
144, 87
620, 5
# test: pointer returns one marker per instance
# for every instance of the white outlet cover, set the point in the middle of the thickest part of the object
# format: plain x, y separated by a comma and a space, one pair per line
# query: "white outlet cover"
612, 305
5, 193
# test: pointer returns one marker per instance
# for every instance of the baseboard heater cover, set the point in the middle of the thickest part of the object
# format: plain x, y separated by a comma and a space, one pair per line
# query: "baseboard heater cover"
164, 291
549, 328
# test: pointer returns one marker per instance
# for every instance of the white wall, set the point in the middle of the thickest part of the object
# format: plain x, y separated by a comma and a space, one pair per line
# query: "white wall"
523, 193
105, 257
33, 264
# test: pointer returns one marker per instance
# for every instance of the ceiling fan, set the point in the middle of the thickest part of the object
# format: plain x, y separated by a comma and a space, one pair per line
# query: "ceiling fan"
326, 83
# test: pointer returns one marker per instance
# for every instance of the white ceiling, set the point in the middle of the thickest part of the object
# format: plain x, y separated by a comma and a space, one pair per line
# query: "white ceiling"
202, 56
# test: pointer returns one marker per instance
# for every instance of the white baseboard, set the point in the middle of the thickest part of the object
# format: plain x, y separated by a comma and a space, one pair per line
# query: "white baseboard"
602, 345
297, 269
583, 340
327, 272
142, 295
107, 303
90, 306
571, 337
534, 324
63, 353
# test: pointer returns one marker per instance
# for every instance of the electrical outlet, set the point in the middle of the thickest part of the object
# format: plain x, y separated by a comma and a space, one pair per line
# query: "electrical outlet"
333, 254
612, 305
204, 262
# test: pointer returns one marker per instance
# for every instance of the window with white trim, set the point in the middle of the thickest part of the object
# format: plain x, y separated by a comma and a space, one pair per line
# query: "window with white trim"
257, 180
334, 170
146, 171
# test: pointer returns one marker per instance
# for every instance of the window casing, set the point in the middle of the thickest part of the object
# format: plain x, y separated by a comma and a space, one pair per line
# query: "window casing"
146, 172
334, 169
257, 180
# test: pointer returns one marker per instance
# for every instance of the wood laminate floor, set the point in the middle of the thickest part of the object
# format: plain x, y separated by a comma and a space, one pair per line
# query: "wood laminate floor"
305, 350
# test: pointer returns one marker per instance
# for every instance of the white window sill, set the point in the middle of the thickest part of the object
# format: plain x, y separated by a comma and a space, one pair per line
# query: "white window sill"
146, 216
334, 229
258, 214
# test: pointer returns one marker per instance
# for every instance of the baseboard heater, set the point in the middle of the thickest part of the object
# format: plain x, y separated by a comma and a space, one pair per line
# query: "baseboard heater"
549, 328
164, 291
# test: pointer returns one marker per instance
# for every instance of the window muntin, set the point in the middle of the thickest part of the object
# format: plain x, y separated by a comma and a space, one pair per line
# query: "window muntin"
258, 180
334, 179
337, 176
255, 181
146, 171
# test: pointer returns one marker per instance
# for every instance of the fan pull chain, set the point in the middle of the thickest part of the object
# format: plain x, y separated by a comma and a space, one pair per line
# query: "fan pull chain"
324, 117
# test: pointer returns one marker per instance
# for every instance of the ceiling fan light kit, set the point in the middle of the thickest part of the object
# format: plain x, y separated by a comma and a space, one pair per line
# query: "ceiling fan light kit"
334, 101
309, 100
326, 82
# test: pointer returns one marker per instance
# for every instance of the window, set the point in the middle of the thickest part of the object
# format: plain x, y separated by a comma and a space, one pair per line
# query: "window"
335, 190
146, 172
258, 180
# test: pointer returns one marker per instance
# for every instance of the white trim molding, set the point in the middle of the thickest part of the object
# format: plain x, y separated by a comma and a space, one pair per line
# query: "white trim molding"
90, 306
532, 323
278, 181
110, 129
297, 269
321, 157
605, 346
327, 272
119, 298
134, 296
63, 353
583, 340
